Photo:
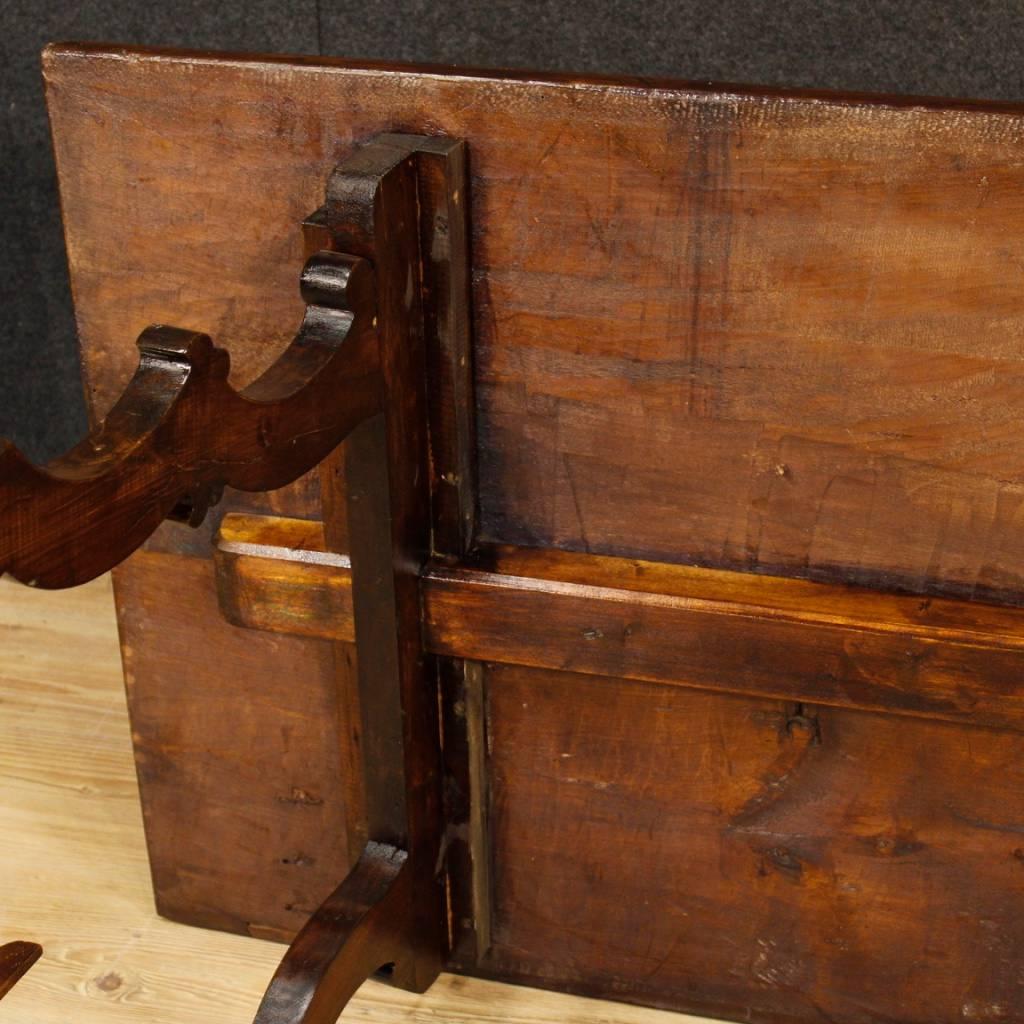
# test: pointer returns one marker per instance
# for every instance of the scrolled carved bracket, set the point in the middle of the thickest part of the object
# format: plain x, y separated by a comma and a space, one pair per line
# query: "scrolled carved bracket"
180, 433
390, 268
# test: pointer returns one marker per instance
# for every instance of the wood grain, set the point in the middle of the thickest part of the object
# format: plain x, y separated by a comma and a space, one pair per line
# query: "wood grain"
179, 434
677, 625
250, 758
388, 913
277, 575
75, 872
750, 859
732, 632
750, 330
727, 329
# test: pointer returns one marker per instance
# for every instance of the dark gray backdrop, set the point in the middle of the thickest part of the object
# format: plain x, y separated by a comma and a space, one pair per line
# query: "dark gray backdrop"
943, 47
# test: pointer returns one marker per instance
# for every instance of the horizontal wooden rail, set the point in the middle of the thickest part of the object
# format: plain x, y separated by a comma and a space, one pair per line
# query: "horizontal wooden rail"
676, 625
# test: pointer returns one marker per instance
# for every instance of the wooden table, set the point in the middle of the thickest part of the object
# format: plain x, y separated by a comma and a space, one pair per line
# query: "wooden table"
680, 424
73, 871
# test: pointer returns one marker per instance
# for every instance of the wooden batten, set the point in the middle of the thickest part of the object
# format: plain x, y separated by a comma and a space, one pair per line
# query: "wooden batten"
275, 574
677, 625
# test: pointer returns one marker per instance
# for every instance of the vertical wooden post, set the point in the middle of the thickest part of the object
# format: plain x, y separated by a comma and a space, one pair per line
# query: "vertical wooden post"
373, 207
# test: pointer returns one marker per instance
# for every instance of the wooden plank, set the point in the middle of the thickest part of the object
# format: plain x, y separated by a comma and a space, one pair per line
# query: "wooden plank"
752, 860
738, 329
716, 637
444, 191
467, 799
75, 873
683, 626
743, 329
373, 210
250, 756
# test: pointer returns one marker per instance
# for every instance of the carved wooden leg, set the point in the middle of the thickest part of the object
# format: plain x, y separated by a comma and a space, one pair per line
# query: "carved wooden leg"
383, 269
361, 928
180, 433
15, 959
390, 908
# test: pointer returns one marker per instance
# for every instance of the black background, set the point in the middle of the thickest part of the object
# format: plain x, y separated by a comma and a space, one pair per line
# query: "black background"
932, 48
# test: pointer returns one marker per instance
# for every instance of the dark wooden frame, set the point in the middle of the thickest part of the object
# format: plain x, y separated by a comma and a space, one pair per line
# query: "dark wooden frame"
375, 284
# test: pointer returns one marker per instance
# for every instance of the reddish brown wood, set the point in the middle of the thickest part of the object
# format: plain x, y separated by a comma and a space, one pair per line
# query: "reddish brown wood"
180, 434
802, 863
15, 960
355, 932
256, 761
202, 878
374, 210
733, 632
444, 203
742, 328
681, 626
185, 431
726, 327
277, 575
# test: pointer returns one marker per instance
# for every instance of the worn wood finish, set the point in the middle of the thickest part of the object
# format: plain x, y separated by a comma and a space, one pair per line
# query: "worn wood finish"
750, 859
15, 960
275, 894
354, 933
277, 575
180, 434
678, 625
735, 329
75, 875
744, 329
734, 633
254, 759
832, 856
389, 910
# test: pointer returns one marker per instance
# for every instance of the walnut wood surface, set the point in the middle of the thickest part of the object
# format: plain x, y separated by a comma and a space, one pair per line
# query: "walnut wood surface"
75, 873
374, 204
677, 625
389, 909
730, 328
353, 933
276, 575
728, 641
245, 737
15, 960
750, 859
749, 330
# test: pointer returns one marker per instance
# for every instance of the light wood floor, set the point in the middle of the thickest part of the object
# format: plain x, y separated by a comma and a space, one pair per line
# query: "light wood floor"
73, 871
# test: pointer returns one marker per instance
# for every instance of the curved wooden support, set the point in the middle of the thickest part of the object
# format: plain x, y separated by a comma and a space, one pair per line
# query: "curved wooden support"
180, 433
361, 928
15, 960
